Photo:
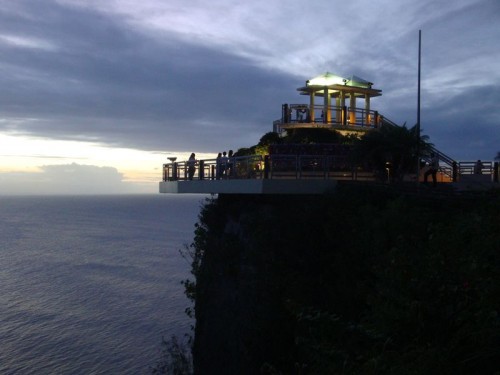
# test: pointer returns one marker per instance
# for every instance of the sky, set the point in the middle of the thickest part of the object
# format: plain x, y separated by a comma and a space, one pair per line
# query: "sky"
96, 95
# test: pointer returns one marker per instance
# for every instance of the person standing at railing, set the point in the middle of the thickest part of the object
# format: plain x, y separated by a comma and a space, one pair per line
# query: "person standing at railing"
191, 166
230, 164
478, 167
218, 166
223, 164
433, 169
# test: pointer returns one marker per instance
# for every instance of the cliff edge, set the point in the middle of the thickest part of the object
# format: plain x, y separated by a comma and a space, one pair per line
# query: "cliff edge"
358, 281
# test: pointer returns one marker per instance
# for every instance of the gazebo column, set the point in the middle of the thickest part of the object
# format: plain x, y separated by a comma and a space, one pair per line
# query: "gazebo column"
352, 109
367, 110
312, 118
338, 111
327, 102
343, 119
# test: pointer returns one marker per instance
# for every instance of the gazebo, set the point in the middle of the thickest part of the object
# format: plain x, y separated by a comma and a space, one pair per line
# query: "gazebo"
338, 116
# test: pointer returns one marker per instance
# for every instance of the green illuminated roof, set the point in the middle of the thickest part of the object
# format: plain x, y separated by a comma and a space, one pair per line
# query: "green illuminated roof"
329, 79
333, 84
326, 79
356, 81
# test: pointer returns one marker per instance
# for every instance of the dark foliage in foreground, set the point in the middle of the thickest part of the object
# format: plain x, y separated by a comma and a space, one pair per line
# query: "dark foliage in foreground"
357, 282
175, 358
394, 147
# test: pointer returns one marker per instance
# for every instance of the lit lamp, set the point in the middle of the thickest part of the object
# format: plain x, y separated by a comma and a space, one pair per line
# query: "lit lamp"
388, 166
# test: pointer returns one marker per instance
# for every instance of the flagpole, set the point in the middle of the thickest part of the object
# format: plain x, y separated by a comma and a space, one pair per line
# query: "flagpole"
418, 105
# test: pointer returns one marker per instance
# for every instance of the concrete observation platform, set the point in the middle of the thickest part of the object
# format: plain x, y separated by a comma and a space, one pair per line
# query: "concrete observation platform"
264, 186
299, 174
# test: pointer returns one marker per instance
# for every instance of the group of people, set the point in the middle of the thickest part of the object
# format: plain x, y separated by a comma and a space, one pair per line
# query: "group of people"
224, 165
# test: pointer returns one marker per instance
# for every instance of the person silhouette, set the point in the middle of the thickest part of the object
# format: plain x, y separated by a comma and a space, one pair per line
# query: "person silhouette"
478, 167
433, 169
191, 166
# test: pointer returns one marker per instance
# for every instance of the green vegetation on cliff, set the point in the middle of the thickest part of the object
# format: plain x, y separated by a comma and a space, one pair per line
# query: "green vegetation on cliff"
361, 281
394, 147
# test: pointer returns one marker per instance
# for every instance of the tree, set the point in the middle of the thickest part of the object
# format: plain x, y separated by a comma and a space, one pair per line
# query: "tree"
269, 139
175, 359
318, 135
393, 147
261, 148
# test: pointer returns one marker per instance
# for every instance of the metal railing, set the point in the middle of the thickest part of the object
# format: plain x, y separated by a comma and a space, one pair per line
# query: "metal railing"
470, 167
447, 166
454, 170
301, 115
316, 167
240, 167
269, 167
486, 169
280, 166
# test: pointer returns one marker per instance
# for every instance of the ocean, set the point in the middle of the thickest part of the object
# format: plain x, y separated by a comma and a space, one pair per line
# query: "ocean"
91, 284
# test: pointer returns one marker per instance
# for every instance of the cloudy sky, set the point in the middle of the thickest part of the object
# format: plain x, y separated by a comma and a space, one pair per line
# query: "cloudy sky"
99, 93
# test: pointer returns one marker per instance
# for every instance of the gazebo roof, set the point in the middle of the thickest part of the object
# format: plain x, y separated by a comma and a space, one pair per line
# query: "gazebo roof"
326, 79
358, 82
334, 83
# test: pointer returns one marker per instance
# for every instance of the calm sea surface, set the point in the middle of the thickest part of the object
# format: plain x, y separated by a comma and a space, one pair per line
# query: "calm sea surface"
91, 284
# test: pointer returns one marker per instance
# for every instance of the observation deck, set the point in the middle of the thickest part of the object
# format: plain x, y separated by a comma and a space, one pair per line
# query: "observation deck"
261, 174
300, 174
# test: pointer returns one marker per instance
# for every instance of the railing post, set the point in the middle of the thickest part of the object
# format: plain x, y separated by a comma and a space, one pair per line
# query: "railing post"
454, 172
212, 172
266, 167
376, 124
174, 171
201, 171
344, 115
495, 171
285, 114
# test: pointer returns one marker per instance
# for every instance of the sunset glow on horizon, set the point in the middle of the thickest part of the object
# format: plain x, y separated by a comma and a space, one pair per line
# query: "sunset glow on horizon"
28, 155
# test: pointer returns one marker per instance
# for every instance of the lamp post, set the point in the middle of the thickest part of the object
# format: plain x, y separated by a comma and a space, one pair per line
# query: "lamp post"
174, 167
388, 166
418, 106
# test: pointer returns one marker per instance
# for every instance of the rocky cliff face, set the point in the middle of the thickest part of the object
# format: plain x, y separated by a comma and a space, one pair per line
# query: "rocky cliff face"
354, 282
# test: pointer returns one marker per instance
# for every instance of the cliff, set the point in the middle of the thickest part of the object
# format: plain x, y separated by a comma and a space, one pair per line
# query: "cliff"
358, 281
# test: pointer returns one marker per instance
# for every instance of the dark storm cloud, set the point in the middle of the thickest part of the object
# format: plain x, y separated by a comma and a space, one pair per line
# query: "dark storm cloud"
467, 125
95, 80
459, 83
